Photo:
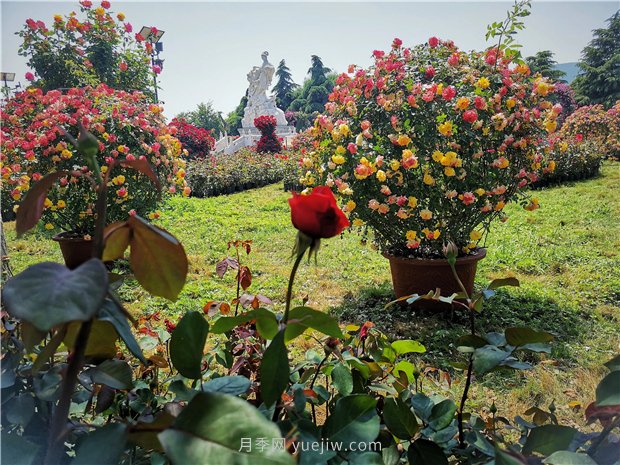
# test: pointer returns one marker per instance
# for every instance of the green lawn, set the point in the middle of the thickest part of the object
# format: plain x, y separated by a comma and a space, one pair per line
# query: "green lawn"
565, 254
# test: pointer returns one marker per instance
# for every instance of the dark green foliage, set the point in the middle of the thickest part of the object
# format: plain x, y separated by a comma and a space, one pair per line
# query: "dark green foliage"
599, 80
283, 90
206, 117
544, 64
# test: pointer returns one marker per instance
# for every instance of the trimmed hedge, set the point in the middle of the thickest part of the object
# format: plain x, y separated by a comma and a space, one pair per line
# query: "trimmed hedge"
578, 162
224, 174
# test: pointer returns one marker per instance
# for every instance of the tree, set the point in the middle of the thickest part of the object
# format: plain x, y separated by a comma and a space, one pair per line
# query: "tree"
97, 48
206, 117
283, 89
544, 64
233, 119
318, 72
311, 97
599, 79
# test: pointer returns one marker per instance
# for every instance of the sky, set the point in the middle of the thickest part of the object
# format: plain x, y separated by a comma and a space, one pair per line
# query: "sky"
210, 46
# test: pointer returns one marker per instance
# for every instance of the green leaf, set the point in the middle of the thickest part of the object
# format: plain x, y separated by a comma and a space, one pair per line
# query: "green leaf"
48, 294
342, 378
225, 324
564, 457
187, 344
101, 339
407, 346
405, 367
104, 446
31, 207
442, 414
118, 236
211, 430
503, 282
20, 409
608, 390
17, 450
113, 373
266, 323
488, 357
233, 385
399, 418
424, 452
302, 318
157, 259
504, 457
548, 439
522, 336
274, 370
113, 315
354, 419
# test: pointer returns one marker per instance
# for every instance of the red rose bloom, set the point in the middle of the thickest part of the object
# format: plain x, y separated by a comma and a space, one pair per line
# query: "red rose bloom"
317, 215
433, 42
470, 116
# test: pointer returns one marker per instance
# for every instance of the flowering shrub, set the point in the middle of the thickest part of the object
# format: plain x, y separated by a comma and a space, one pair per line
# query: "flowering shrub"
268, 142
245, 169
570, 161
127, 127
197, 141
594, 124
430, 143
76, 52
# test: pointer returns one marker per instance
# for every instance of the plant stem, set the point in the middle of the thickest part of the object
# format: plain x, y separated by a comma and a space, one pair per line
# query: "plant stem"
289, 291
601, 437
464, 400
59, 420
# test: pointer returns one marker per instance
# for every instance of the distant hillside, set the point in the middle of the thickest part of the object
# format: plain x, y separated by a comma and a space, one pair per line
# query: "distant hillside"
571, 70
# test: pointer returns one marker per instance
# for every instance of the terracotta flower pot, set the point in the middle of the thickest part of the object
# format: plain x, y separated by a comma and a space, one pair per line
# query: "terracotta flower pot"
418, 276
75, 250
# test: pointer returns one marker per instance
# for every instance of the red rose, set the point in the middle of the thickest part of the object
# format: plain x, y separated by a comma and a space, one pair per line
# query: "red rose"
430, 72
30, 76
433, 42
470, 116
317, 215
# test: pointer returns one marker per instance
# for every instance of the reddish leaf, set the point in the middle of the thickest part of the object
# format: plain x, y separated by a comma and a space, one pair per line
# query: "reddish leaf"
245, 277
31, 208
603, 414
117, 237
157, 259
144, 167
222, 267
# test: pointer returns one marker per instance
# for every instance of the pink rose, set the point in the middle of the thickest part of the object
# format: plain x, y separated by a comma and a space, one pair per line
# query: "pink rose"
470, 116
449, 93
30, 76
433, 42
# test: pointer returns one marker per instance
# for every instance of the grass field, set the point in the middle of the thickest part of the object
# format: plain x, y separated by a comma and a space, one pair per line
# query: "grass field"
566, 255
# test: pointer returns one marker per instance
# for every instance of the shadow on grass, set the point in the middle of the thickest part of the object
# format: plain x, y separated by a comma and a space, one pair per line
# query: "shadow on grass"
439, 329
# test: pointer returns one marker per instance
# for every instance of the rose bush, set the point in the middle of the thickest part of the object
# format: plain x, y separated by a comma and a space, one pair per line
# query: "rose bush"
224, 174
268, 142
197, 141
127, 127
431, 142
594, 124
99, 47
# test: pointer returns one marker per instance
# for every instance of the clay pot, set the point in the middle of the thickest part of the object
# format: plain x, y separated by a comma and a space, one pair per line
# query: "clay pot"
75, 249
418, 276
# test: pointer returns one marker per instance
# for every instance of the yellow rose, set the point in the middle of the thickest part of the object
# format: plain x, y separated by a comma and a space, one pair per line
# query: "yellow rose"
462, 103
510, 103
403, 140
483, 83
381, 176
338, 159
411, 235
445, 129
449, 171
48, 203
357, 222
61, 204
49, 226
413, 202
351, 205
480, 191
437, 156
426, 214
428, 179
395, 165
475, 235
340, 150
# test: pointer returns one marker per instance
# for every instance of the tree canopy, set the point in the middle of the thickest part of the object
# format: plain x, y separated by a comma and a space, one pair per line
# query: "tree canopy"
205, 116
544, 64
283, 90
599, 79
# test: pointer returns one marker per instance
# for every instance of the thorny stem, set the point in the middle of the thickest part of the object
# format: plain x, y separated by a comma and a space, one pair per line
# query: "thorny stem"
316, 375
289, 291
58, 428
471, 357
238, 280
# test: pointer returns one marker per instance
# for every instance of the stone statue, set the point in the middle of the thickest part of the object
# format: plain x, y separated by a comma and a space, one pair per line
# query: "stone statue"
259, 103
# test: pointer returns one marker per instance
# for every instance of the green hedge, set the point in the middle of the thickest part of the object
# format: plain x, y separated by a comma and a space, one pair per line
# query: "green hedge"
576, 163
246, 169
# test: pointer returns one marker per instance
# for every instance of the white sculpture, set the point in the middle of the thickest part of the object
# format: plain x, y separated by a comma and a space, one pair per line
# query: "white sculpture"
259, 103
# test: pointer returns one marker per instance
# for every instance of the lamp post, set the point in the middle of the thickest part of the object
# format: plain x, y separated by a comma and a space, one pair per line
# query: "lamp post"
152, 35
6, 88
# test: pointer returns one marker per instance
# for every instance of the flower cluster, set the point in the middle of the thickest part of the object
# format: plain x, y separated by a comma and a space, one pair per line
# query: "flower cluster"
78, 50
197, 141
430, 143
127, 126
268, 142
594, 124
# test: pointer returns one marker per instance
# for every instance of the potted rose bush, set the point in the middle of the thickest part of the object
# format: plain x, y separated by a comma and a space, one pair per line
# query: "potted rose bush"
127, 126
427, 146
